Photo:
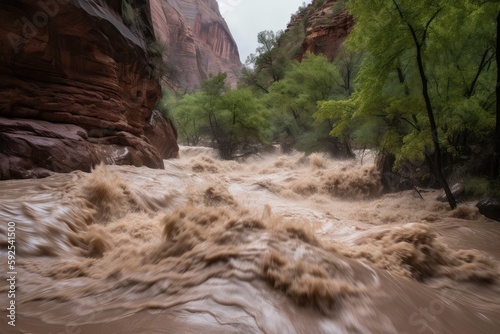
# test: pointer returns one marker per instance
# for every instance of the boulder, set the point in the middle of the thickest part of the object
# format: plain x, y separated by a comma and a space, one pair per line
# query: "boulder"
489, 207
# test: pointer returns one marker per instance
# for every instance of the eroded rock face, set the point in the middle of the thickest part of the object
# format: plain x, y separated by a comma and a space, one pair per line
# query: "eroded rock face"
76, 89
197, 40
327, 27
161, 130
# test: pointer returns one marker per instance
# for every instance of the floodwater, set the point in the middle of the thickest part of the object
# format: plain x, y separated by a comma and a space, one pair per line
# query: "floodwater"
275, 244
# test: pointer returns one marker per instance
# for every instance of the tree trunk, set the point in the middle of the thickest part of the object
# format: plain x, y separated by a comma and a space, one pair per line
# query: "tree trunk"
428, 105
496, 157
435, 138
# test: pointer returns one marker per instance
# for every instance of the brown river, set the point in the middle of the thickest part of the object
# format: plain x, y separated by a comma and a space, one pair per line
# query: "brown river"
275, 244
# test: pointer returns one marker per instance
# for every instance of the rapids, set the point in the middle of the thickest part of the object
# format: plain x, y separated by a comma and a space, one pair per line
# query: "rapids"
275, 244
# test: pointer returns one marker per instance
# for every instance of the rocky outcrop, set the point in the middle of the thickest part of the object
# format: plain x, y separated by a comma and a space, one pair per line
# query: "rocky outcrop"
35, 148
197, 41
162, 130
76, 88
327, 25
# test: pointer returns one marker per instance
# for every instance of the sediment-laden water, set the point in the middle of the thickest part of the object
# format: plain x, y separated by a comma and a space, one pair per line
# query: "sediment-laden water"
278, 244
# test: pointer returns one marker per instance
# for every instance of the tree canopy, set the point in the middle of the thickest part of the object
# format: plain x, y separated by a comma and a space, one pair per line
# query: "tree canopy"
416, 81
232, 120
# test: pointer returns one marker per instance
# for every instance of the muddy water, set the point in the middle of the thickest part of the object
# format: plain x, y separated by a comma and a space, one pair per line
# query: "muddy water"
278, 244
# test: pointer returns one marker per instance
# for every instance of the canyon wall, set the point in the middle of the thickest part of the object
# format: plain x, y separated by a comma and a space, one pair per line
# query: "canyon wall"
197, 42
79, 82
77, 88
327, 25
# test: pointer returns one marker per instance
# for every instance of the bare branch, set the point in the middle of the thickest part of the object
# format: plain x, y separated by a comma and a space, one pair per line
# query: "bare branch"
424, 36
482, 65
412, 30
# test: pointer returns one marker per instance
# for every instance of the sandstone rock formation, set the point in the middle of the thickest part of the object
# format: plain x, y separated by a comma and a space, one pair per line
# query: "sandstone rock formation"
197, 40
161, 130
327, 27
76, 88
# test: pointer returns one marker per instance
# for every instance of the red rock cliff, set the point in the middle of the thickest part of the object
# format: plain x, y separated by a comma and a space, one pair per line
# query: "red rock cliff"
197, 40
327, 27
76, 88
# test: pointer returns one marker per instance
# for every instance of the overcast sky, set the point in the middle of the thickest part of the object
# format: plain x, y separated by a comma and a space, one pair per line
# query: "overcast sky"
246, 18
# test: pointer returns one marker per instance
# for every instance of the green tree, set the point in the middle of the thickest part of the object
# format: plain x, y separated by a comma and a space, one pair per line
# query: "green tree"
213, 90
463, 78
244, 124
268, 64
267, 56
348, 63
295, 98
418, 27
496, 163
234, 120
406, 70
189, 119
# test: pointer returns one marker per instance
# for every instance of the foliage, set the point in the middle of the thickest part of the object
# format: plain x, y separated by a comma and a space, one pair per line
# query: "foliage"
338, 7
132, 17
476, 187
319, 3
301, 11
130, 14
233, 120
188, 113
294, 100
372, 94
163, 105
156, 54
267, 65
387, 109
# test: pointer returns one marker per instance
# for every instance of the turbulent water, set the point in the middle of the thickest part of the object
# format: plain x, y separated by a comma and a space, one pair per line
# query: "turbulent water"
278, 244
